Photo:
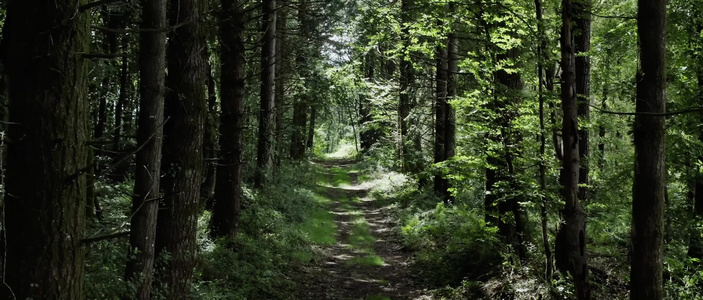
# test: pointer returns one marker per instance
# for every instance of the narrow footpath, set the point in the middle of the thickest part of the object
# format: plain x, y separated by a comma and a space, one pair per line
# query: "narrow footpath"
364, 261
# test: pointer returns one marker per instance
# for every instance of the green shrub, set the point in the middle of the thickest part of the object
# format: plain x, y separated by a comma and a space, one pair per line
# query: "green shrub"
453, 244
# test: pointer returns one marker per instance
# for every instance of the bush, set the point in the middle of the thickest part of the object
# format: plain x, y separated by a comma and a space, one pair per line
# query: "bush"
453, 244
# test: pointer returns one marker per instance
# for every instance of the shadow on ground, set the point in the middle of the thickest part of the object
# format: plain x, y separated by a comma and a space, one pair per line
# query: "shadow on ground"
366, 262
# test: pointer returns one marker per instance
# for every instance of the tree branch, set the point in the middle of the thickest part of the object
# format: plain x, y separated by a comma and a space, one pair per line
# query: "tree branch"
95, 4
665, 114
105, 237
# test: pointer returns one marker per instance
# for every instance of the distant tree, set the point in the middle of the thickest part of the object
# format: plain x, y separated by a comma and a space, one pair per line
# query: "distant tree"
145, 200
649, 188
45, 199
182, 161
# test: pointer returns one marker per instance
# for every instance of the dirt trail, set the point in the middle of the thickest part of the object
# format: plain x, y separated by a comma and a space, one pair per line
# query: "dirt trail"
366, 262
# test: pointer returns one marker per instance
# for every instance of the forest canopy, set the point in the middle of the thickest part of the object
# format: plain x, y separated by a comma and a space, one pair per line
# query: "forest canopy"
359, 149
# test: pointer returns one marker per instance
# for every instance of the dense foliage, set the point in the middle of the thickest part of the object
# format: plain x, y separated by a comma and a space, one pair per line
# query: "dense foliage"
159, 148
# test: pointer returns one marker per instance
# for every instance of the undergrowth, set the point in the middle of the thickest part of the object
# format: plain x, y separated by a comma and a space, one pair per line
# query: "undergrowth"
277, 227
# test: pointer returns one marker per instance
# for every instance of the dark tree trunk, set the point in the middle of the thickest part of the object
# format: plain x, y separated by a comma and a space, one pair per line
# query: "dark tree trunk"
122, 99
571, 239
281, 68
101, 114
228, 190
406, 79
267, 112
542, 58
145, 202
183, 146
582, 44
649, 188
301, 105
47, 150
446, 66
452, 72
367, 133
440, 182
207, 188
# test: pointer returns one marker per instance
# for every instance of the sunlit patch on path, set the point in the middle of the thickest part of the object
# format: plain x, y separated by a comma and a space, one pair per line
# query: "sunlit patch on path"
364, 261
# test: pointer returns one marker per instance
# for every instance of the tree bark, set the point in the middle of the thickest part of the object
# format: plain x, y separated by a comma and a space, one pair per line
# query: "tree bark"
441, 66
582, 44
367, 133
299, 134
406, 79
446, 66
145, 204
281, 59
268, 106
300, 120
210, 153
543, 57
183, 146
452, 72
228, 190
47, 152
649, 188
121, 99
571, 239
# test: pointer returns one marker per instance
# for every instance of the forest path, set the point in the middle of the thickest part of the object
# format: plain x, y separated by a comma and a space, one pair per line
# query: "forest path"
365, 260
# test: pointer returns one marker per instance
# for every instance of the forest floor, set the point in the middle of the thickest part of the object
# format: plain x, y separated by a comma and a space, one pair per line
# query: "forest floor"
361, 257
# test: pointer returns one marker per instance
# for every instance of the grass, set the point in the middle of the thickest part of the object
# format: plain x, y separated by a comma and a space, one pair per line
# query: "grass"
368, 260
320, 227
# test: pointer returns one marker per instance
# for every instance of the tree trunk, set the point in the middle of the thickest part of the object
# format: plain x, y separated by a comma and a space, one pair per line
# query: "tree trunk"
440, 183
543, 57
446, 61
183, 146
281, 58
228, 190
145, 202
367, 133
406, 79
122, 99
450, 115
649, 188
267, 111
582, 44
210, 155
47, 153
571, 239
452, 72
